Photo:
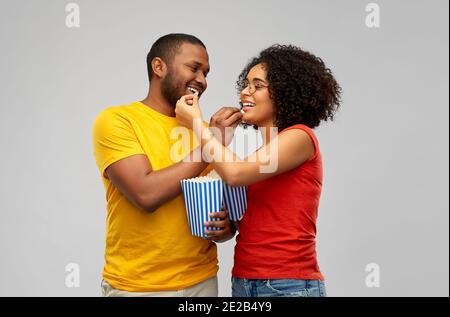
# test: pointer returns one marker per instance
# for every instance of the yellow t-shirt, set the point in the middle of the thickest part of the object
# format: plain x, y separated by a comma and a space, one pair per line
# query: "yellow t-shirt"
145, 251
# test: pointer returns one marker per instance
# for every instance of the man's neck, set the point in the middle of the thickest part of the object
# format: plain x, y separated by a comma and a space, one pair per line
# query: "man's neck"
158, 103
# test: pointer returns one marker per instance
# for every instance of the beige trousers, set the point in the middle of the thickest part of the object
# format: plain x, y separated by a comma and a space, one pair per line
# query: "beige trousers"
207, 288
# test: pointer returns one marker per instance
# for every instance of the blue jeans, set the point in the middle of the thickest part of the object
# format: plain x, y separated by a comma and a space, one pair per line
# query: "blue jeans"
242, 287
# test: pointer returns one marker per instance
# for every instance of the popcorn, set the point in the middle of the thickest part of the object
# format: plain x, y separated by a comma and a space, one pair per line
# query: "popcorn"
213, 174
206, 194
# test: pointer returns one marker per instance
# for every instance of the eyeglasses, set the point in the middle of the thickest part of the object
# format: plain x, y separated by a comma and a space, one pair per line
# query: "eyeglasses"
253, 87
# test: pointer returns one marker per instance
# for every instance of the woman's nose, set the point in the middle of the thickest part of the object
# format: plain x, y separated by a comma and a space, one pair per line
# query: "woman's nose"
246, 91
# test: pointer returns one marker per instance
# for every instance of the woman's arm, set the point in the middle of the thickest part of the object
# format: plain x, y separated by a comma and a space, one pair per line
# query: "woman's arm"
285, 152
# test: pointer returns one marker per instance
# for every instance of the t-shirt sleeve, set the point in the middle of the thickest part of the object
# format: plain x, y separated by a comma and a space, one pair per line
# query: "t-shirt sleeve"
114, 139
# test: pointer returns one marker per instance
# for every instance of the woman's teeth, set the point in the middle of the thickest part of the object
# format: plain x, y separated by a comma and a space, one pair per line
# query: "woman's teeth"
246, 105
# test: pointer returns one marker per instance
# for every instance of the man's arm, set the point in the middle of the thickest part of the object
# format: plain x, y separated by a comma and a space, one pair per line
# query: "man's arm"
147, 189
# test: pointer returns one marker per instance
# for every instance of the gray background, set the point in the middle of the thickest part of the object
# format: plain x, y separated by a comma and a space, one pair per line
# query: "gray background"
385, 196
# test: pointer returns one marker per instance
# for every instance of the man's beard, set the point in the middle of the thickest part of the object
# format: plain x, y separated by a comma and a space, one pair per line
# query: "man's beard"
171, 89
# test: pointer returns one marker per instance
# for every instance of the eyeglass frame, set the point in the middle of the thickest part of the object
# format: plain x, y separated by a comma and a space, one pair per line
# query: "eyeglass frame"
249, 85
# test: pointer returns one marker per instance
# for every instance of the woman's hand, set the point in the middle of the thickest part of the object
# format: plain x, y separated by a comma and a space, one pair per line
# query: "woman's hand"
187, 110
226, 121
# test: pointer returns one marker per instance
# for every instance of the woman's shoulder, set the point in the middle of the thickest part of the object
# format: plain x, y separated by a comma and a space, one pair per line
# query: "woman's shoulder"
302, 127
309, 132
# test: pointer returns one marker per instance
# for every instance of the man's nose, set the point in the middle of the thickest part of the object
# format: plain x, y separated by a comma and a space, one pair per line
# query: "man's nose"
201, 80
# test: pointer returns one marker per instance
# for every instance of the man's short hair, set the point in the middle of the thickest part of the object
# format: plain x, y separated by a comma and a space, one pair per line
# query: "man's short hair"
167, 46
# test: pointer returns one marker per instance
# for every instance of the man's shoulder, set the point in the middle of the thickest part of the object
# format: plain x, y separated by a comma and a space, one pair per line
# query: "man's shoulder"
117, 112
118, 109
114, 116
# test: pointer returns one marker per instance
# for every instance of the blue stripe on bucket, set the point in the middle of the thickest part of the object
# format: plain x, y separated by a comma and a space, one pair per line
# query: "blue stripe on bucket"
210, 191
198, 208
204, 207
241, 195
227, 198
189, 206
192, 208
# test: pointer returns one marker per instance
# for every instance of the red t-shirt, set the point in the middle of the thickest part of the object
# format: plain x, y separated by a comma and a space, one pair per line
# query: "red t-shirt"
277, 235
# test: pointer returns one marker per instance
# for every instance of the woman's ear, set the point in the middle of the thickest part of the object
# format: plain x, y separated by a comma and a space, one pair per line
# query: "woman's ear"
159, 67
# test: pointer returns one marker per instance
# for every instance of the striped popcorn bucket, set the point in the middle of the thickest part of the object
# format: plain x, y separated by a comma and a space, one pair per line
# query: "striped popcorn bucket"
235, 201
201, 197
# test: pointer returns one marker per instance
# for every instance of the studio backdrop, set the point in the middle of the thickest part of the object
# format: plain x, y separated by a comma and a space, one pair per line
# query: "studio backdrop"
383, 225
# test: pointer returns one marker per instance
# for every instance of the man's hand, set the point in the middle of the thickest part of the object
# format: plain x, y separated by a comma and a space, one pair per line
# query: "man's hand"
226, 228
226, 117
187, 110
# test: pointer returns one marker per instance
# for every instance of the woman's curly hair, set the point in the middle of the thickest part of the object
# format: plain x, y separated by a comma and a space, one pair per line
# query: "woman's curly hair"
302, 88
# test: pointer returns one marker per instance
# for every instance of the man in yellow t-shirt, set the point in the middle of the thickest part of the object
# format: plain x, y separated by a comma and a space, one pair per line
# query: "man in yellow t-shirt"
149, 248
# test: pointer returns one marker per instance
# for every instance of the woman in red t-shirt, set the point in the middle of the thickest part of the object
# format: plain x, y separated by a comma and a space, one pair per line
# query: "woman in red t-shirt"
291, 91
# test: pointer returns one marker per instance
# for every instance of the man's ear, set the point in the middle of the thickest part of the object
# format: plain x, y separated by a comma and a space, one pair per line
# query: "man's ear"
159, 67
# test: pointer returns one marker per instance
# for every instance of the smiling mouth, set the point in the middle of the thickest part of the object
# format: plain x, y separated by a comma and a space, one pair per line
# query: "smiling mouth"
194, 91
246, 105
